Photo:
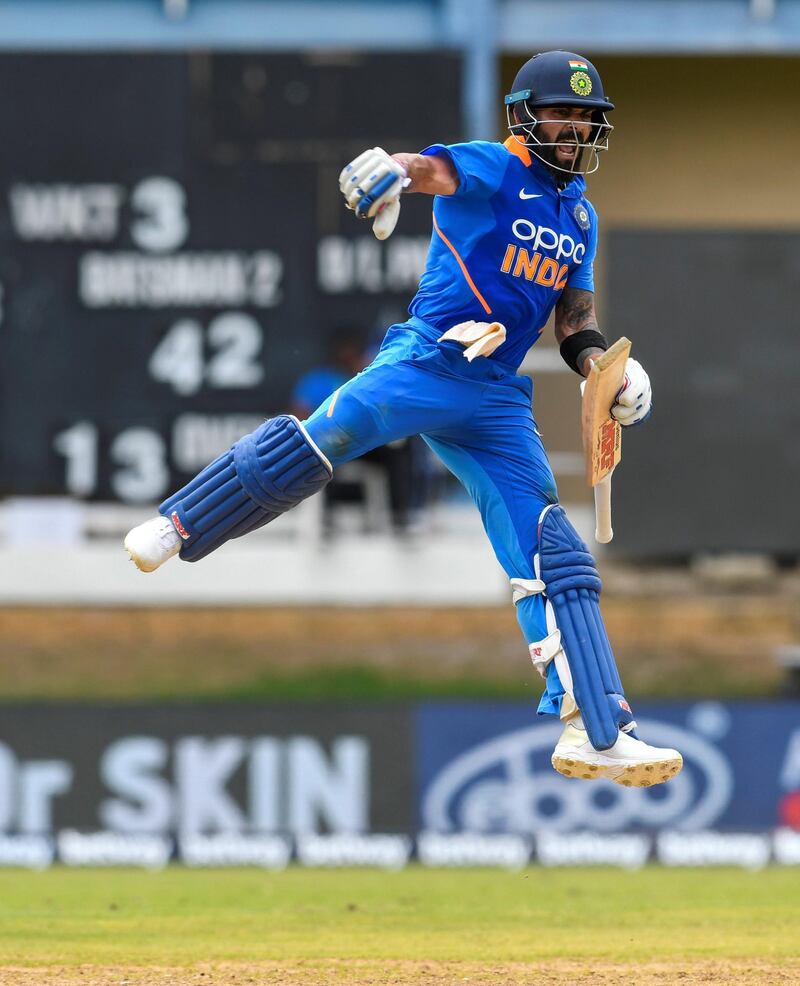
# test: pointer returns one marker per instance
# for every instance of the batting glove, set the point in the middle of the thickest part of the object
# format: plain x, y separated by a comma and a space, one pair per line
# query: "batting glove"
634, 400
371, 185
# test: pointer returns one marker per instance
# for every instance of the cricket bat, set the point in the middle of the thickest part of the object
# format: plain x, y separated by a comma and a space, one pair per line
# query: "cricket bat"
602, 435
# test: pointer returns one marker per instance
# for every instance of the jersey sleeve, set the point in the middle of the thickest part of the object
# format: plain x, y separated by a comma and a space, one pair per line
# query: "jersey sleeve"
583, 275
480, 166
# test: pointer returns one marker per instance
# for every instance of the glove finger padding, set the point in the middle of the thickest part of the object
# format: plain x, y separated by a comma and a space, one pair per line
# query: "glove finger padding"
350, 171
364, 179
634, 399
382, 187
628, 416
371, 181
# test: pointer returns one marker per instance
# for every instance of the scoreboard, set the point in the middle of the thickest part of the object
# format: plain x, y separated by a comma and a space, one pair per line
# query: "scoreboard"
174, 250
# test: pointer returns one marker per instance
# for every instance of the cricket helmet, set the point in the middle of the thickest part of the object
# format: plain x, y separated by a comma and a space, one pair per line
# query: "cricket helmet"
559, 78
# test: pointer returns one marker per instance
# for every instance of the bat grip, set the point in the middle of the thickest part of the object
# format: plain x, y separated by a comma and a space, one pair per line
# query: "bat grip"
602, 510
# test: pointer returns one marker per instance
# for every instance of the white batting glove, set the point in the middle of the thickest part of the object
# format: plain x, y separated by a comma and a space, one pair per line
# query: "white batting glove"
635, 398
371, 185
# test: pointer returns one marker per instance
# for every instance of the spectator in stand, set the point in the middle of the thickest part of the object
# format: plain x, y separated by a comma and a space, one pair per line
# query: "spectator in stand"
347, 355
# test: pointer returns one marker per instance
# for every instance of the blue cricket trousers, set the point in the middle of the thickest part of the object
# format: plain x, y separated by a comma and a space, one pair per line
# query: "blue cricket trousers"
477, 418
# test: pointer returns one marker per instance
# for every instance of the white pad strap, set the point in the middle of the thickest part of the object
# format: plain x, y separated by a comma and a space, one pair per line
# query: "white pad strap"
521, 588
478, 338
545, 651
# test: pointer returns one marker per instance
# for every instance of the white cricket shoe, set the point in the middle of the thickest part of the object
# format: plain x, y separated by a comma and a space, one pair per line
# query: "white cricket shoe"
629, 762
152, 543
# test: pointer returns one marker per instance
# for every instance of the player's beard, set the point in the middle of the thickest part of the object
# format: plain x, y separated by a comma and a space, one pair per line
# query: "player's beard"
559, 168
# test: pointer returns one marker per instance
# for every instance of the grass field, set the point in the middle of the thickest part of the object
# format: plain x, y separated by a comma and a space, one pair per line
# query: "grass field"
666, 647
98, 928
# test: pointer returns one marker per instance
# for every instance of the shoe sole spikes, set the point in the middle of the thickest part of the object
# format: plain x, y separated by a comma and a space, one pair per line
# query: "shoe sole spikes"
628, 775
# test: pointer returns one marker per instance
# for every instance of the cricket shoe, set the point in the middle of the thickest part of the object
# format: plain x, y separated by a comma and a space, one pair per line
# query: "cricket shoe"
152, 543
629, 762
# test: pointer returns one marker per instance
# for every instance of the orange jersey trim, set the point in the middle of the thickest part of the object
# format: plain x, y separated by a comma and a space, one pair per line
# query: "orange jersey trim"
333, 403
515, 146
464, 270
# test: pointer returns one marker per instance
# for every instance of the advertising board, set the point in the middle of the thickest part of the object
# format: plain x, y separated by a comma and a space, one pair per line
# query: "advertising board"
486, 768
330, 784
205, 769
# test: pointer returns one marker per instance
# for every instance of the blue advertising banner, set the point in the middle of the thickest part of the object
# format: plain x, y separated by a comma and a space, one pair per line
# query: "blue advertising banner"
485, 768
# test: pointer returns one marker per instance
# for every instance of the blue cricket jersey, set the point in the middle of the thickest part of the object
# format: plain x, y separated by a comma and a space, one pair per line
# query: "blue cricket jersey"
505, 245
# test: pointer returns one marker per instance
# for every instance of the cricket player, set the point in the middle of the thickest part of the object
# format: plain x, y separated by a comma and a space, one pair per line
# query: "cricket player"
514, 238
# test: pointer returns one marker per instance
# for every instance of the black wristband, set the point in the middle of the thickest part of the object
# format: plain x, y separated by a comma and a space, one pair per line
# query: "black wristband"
574, 345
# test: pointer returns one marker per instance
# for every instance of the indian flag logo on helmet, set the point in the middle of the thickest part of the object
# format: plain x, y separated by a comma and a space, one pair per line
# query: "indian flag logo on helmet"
578, 66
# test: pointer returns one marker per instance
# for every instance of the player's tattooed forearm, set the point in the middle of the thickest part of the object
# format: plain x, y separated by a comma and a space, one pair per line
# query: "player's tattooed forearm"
575, 311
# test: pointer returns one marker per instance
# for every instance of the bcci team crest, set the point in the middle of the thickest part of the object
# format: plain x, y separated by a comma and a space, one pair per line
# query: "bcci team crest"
581, 214
580, 83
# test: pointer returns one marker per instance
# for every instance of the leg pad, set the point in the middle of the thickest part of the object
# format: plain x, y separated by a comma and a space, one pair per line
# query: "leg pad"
259, 478
573, 585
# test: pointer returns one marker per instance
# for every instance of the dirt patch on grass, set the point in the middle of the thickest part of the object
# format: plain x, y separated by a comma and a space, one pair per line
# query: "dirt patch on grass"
427, 973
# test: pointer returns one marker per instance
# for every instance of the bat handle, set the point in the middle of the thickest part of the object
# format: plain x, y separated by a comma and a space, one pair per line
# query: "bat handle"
602, 510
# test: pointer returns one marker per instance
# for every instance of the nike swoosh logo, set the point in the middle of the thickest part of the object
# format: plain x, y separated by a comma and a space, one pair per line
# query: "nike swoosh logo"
528, 195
